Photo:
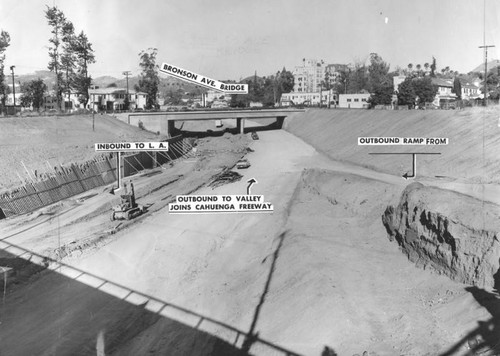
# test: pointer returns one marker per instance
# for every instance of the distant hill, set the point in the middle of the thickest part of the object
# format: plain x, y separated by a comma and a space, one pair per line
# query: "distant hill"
491, 64
251, 79
166, 83
47, 76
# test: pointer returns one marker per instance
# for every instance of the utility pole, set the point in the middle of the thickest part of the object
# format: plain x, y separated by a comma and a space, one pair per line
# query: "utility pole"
485, 55
13, 88
126, 74
486, 72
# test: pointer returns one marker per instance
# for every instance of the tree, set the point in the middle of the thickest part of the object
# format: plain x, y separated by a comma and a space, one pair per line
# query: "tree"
433, 67
424, 89
426, 66
419, 70
382, 94
83, 55
492, 83
406, 93
283, 83
174, 97
379, 82
149, 81
377, 72
286, 81
68, 56
342, 81
33, 94
270, 91
61, 30
457, 88
4, 43
358, 79
239, 101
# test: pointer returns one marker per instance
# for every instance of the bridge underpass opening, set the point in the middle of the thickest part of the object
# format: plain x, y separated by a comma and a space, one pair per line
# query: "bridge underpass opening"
164, 122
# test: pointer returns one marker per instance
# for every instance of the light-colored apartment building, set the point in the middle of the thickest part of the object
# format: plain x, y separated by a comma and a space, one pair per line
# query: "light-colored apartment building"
308, 76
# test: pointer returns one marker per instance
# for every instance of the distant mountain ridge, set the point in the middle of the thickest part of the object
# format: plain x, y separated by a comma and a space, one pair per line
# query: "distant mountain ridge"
167, 83
491, 64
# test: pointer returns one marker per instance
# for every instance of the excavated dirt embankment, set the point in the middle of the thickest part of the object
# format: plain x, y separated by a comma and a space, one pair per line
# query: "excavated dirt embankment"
451, 233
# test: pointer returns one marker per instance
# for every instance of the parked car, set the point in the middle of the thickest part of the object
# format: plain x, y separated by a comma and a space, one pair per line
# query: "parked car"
254, 135
242, 163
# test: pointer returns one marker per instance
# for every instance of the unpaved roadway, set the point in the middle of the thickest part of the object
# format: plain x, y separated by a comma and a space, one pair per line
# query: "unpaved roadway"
300, 277
317, 274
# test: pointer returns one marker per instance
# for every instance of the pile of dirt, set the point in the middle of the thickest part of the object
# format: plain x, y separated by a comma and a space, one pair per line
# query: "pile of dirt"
448, 232
367, 297
471, 154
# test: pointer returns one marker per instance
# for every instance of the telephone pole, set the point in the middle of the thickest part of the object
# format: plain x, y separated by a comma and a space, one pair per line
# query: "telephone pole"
485, 55
486, 72
126, 74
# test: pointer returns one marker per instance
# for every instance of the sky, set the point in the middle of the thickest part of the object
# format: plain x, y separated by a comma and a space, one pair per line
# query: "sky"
233, 39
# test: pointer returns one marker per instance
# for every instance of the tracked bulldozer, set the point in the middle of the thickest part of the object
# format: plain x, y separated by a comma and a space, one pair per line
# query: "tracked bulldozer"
128, 208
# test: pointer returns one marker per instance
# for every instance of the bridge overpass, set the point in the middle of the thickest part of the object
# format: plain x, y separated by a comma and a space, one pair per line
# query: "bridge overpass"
164, 122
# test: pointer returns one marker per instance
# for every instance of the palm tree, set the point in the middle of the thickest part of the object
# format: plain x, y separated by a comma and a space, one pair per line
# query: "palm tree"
426, 66
419, 67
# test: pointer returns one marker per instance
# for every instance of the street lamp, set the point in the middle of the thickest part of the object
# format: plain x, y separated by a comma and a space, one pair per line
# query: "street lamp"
13, 87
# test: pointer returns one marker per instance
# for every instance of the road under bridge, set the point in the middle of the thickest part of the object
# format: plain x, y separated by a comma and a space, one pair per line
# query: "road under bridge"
164, 122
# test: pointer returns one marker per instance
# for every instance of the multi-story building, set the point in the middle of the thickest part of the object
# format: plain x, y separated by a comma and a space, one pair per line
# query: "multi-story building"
114, 99
470, 91
308, 76
332, 72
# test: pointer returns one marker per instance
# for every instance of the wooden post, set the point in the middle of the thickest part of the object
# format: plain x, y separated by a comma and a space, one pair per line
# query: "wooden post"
118, 169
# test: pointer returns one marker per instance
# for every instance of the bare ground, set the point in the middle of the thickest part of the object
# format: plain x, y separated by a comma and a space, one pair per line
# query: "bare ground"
318, 275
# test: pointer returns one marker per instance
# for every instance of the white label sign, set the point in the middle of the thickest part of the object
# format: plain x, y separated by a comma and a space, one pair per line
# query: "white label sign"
201, 80
403, 141
204, 204
131, 146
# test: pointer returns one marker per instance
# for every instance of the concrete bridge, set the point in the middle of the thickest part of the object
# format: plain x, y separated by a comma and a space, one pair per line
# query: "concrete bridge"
164, 122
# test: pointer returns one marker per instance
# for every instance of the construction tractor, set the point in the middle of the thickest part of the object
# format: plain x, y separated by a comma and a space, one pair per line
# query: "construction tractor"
128, 208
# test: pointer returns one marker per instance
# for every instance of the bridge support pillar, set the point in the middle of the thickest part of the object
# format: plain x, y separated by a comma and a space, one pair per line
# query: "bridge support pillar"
170, 127
240, 125
279, 121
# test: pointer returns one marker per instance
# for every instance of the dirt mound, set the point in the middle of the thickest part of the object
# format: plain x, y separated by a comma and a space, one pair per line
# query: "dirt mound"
449, 232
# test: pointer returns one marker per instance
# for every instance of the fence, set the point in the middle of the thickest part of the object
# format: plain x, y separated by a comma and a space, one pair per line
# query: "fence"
66, 182
135, 162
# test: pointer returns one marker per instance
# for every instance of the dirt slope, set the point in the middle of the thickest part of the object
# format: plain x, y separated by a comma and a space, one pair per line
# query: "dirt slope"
35, 141
319, 272
471, 155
